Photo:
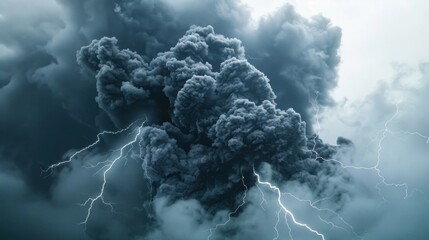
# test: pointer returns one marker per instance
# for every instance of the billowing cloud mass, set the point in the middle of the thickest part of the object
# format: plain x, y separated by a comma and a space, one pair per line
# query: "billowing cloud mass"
214, 118
192, 92
39, 72
222, 96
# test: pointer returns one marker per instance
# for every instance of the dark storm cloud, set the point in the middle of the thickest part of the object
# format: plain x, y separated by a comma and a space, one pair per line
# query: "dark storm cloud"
47, 105
300, 56
43, 46
156, 25
222, 118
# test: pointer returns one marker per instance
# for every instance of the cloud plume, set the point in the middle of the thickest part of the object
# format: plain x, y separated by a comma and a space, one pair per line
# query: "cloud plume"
214, 118
216, 110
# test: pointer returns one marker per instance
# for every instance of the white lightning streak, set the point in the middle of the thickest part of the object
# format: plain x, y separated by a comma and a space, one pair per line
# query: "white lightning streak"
285, 209
277, 223
262, 196
313, 205
100, 196
53, 166
411, 133
278, 216
379, 150
289, 228
331, 224
243, 201
107, 165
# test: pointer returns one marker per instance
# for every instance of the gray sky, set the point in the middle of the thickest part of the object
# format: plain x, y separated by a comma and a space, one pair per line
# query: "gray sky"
365, 67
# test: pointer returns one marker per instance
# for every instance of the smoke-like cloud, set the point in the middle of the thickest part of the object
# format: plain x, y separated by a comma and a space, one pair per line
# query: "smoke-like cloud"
213, 112
38, 65
216, 118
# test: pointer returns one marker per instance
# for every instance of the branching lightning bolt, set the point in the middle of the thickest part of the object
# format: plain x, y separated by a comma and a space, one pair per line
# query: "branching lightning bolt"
243, 201
107, 165
262, 196
100, 196
53, 166
312, 205
309, 202
411, 133
338, 216
382, 135
277, 224
331, 224
286, 211
376, 167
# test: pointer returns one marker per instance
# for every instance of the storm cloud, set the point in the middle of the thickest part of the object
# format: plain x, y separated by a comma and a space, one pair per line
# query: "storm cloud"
48, 102
215, 117
222, 97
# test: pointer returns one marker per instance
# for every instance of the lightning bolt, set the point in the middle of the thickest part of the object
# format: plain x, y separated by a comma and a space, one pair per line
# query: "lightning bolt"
100, 196
278, 215
99, 135
331, 224
379, 149
277, 224
338, 216
243, 201
107, 165
411, 133
288, 227
286, 211
262, 197
376, 167
312, 205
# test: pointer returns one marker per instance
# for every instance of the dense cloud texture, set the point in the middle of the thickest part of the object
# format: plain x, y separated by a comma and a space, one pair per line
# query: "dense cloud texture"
215, 120
47, 105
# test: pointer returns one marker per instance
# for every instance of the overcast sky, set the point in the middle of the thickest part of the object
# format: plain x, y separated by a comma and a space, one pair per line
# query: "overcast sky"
325, 98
